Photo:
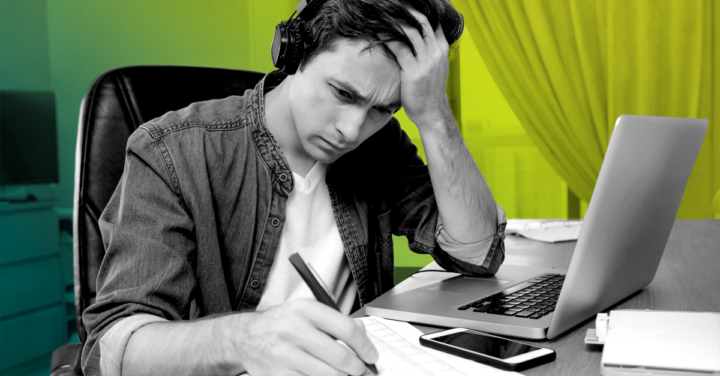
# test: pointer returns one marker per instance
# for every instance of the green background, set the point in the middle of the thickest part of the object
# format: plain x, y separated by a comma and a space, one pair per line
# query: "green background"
63, 45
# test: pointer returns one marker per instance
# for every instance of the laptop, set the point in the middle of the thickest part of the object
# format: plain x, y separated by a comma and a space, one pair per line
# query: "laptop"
627, 225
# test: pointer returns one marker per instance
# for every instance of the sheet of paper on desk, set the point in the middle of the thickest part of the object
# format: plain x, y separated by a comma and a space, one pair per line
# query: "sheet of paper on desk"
549, 231
401, 353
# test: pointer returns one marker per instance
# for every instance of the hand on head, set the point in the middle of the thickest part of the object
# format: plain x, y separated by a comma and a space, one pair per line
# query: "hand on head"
299, 338
423, 76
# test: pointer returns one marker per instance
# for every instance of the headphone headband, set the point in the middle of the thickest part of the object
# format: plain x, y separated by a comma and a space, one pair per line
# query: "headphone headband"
287, 45
307, 9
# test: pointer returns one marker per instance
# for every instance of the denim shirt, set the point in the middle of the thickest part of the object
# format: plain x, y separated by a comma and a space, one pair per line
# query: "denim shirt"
194, 224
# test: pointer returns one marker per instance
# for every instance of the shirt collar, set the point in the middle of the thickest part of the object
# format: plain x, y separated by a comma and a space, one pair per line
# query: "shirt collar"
269, 149
256, 98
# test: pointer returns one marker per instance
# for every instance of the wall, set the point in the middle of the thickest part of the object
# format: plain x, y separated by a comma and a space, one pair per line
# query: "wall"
88, 38
24, 51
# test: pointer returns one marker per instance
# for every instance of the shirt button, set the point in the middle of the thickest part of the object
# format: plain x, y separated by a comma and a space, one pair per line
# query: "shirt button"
283, 178
275, 222
255, 283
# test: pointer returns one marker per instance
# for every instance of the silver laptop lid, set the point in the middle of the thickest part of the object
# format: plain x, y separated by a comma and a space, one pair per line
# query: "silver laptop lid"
632, 210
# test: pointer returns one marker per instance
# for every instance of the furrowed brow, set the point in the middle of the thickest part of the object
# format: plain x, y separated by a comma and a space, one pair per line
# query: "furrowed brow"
349, 88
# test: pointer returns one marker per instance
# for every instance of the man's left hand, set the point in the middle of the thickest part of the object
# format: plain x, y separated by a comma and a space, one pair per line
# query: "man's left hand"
423, 76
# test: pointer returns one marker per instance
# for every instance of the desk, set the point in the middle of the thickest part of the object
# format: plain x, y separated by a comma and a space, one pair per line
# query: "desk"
688, 279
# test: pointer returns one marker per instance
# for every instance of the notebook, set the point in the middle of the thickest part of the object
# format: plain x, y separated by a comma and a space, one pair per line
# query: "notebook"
660, 343
627, 224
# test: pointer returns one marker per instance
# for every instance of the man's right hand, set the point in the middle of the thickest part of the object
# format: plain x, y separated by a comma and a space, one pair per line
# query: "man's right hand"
299, 338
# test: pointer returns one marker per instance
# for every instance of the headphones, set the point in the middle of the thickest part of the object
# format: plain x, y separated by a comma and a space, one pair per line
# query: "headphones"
287, 45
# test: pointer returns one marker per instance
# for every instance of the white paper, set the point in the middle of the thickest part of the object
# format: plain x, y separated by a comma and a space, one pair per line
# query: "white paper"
401, 354
399, 346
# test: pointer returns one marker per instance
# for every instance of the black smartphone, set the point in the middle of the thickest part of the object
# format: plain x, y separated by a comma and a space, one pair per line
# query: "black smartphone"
492, 350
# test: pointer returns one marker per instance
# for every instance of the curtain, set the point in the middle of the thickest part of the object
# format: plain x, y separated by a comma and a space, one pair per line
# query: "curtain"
569, 68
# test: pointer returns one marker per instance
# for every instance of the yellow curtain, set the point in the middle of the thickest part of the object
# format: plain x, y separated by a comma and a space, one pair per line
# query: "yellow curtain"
569, 68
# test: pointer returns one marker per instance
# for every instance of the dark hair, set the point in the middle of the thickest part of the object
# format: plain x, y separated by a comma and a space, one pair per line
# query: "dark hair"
365, 19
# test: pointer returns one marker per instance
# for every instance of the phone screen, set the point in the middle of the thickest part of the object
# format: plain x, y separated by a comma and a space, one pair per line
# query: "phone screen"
492, 346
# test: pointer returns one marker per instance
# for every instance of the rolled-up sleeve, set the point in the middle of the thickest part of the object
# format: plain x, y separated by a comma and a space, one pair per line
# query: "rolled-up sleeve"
488, 253
114, 341
414, 213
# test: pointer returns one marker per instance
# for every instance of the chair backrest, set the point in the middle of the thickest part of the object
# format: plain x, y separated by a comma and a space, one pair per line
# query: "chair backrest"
118, 102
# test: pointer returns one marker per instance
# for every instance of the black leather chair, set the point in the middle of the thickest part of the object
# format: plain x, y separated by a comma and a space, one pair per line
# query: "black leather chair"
118, 102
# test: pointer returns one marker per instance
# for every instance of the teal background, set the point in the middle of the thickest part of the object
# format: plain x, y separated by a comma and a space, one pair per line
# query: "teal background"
62, 46
87, 38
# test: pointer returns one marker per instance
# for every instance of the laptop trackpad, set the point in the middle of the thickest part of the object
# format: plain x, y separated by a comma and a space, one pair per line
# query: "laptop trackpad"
468, 285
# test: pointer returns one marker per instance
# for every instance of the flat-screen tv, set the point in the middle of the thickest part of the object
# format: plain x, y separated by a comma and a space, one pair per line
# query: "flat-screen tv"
28, 138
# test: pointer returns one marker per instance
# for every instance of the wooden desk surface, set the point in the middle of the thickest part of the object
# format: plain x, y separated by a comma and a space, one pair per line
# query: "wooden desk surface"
688, 279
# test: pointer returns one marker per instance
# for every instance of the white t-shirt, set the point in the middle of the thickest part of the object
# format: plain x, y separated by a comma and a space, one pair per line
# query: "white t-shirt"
310, 230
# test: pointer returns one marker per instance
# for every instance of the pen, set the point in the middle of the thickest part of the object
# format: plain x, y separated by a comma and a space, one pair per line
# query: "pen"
320, 292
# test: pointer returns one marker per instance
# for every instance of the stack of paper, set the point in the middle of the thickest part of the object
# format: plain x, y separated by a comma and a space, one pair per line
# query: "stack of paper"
549, 231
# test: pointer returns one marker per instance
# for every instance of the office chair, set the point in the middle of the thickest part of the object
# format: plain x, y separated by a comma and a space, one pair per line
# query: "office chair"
118, 102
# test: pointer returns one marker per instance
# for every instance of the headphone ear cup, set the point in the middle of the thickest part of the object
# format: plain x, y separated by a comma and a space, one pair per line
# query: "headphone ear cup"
288, 47
295, 50
279, 43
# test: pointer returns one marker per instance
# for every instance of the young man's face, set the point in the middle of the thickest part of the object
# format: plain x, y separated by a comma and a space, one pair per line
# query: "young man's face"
342, 97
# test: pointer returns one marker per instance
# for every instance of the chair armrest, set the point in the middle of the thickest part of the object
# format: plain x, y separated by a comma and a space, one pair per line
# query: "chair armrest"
65, 360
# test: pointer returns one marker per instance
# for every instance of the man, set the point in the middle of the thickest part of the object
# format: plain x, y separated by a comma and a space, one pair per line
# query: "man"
214, 198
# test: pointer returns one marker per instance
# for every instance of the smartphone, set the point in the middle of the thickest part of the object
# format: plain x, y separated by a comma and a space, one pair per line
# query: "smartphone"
495, 351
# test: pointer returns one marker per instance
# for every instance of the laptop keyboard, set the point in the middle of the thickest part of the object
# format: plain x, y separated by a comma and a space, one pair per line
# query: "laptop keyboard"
533, 301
